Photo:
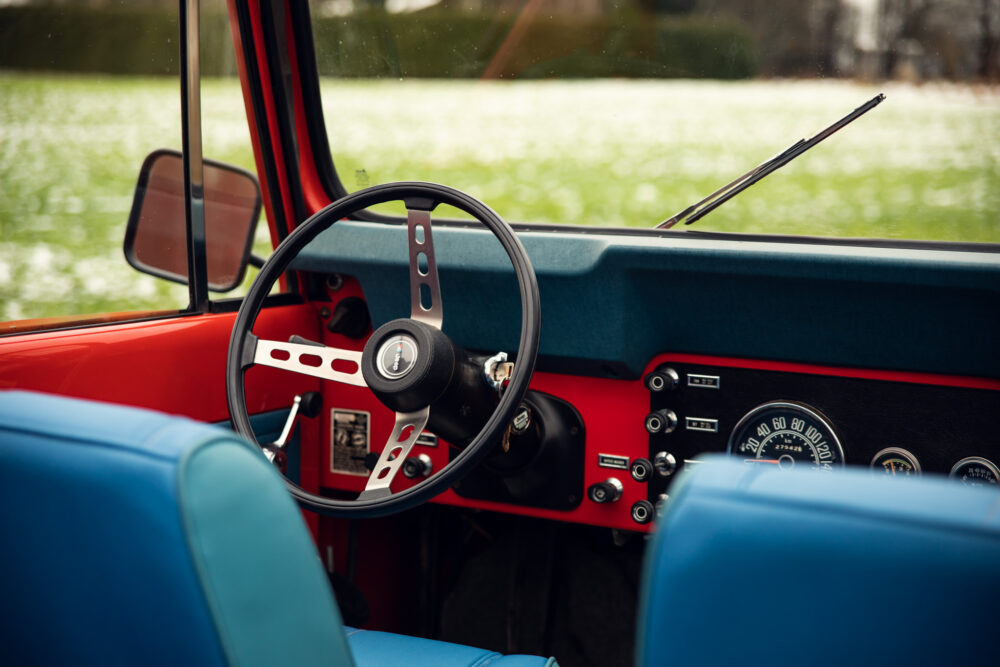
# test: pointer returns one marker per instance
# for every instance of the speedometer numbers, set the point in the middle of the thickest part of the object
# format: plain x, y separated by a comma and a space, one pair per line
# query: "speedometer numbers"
787, 435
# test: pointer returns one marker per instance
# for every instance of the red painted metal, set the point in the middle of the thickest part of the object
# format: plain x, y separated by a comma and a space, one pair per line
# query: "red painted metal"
613, 413
272, 121
176, 365
241, 67
313, 192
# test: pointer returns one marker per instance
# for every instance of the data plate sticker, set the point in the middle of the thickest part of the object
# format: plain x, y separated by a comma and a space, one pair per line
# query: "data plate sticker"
349, 442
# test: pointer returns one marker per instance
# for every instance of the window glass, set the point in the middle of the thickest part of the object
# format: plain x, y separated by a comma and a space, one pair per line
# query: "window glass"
622, 113
87, 90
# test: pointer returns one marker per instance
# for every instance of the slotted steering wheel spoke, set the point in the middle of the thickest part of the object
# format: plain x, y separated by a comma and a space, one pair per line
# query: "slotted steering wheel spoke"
425, 290
321, 361
407, 429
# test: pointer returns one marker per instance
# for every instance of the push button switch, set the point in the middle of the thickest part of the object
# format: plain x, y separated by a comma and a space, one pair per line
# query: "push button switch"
662, 379
661, 421
642, 511
641, 470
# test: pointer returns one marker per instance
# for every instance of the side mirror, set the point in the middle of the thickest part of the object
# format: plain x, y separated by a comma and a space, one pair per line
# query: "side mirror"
156, 235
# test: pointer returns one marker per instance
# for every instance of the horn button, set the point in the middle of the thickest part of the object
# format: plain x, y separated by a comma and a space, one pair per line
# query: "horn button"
397, 356
408, 364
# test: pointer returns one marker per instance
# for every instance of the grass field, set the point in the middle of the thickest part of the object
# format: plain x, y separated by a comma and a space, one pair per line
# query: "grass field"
925, 164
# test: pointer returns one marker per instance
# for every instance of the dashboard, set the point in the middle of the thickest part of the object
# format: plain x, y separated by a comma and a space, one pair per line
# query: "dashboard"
785, 352
814, 355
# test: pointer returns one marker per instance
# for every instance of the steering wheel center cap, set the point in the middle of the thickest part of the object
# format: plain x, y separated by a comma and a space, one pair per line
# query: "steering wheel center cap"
397, 356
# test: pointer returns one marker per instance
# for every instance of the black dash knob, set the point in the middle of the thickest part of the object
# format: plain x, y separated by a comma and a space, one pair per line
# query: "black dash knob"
661, 421
662, 379
641, 470
642, 511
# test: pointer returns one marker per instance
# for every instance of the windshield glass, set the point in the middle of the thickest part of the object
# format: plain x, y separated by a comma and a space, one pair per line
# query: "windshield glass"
590, 112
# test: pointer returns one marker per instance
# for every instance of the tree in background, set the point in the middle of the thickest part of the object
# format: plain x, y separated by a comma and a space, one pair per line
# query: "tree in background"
794, 38
953, 39
989, 40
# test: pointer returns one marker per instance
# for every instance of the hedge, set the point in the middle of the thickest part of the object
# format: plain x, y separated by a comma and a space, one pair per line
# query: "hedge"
429, 44
450, 45
112, 41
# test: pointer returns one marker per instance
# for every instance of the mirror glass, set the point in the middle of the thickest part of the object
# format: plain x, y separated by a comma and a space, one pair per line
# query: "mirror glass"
156, 238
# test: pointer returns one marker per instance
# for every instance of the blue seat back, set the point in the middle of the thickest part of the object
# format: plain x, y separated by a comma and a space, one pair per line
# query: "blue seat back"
131, 537
753, 565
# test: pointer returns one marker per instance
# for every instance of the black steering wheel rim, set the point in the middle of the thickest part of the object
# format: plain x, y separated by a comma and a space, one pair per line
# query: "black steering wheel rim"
433, 194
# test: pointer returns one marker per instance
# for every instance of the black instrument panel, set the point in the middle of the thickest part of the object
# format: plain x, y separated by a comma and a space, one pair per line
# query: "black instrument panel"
939, 425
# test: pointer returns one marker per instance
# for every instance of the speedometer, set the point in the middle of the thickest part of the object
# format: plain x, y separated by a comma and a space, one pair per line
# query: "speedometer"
787, 434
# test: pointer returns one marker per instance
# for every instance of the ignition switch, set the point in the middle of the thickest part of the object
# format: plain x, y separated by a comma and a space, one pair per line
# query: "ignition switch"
417, 466
665, 464
608, 491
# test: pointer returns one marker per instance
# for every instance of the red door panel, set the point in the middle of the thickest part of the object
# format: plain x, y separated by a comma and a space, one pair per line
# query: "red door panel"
174, 365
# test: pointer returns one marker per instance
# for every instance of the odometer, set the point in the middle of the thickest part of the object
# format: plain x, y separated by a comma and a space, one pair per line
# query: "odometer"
787, 434
976, 471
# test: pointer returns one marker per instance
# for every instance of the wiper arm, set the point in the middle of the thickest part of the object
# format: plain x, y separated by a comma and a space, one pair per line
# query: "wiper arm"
699, 209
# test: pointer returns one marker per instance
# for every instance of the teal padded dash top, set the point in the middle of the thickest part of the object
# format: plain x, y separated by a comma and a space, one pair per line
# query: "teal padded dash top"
612, 299
136, 538
754, 566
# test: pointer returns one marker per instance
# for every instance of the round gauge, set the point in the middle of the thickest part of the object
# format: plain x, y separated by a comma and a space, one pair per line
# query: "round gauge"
787, 435
896, 462
976, 471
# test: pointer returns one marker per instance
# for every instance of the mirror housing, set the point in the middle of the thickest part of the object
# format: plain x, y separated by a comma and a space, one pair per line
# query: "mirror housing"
156, 235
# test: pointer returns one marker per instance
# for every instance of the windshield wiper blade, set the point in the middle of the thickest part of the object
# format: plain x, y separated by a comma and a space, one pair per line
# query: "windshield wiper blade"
699, 209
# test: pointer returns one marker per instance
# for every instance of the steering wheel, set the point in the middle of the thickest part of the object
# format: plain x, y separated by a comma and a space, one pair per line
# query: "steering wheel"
409, 363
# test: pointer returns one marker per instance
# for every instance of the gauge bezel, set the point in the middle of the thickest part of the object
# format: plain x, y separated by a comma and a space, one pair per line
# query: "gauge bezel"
976, 459
785, 404
902, 453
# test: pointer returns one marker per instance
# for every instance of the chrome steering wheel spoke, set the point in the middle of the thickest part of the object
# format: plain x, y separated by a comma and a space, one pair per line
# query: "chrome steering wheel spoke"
310, 359
425, 290
408, 427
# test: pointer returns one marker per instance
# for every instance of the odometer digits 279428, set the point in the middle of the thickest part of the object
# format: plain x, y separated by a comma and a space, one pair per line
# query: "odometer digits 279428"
787, 434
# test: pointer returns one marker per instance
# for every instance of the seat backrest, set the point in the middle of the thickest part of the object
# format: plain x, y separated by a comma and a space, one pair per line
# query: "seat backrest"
753, 565
132, 537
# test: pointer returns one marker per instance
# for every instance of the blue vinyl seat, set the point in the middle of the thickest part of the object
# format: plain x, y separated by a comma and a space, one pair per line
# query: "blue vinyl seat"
755, 566
135, 538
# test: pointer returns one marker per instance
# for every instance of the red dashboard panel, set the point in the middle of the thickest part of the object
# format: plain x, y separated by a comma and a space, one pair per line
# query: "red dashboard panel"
613, 413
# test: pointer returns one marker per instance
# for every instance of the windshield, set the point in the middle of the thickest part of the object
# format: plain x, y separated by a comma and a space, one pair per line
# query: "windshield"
623, 113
